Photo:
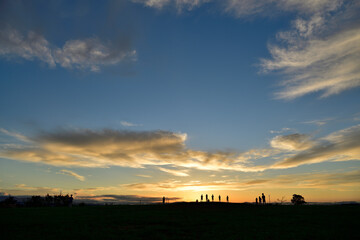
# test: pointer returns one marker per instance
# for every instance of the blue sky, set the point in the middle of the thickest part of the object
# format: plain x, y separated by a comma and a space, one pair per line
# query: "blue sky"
131, 97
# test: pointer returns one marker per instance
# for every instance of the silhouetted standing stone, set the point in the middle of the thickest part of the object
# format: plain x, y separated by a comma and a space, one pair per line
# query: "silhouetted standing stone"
263, 198
71, 200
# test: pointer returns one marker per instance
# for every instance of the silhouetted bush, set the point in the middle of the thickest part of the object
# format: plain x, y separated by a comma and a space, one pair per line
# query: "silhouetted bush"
298, 199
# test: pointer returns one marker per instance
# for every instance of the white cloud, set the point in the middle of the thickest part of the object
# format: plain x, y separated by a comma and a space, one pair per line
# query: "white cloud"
179, 4
90, 54
13, 43
73, 174
129, 124
153, 3
85, 54
144, 176
175, 172
292, 142
282, 130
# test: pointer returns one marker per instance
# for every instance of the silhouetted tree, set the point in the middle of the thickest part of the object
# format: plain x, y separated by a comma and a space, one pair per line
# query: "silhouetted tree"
67, 200
49, 200
58, 200
35, 201
8, 202
298, 199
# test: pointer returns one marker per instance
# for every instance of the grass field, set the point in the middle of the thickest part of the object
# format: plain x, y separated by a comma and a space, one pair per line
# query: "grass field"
182, 221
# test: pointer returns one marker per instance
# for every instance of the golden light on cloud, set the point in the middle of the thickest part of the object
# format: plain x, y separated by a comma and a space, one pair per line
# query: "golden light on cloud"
73, 174
168, 151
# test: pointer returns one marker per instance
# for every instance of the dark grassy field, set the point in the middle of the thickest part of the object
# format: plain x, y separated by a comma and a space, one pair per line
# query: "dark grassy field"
182, 221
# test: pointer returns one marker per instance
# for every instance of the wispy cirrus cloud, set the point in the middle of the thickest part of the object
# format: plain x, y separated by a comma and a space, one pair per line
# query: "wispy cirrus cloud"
329, 65
319, 54
73, 174
245, 8
84, 54
15, 135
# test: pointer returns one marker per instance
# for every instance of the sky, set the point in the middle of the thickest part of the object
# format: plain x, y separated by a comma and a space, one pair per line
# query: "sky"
138, 99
